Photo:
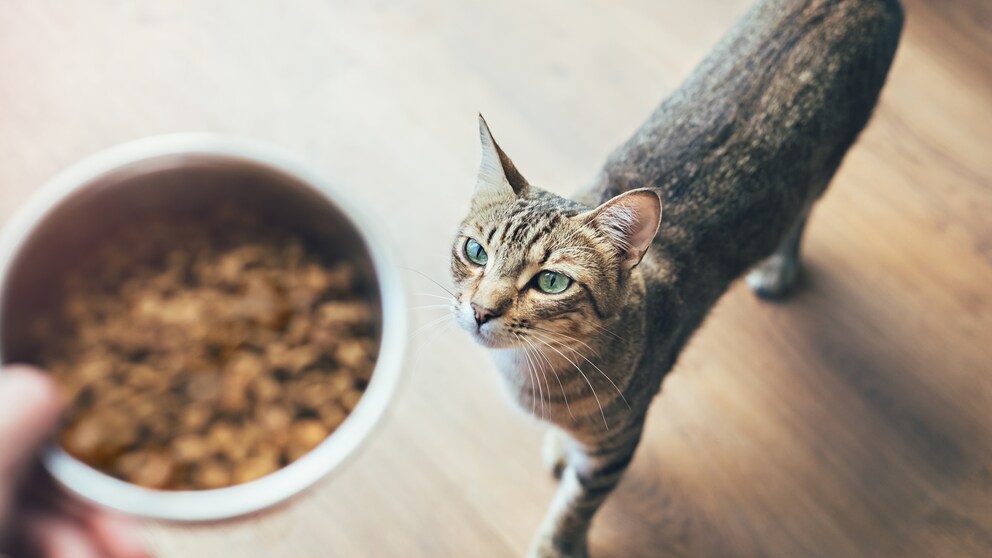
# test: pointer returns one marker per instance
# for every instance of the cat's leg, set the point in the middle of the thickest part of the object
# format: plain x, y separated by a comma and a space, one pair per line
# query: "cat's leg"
775, 277
554, 452
589, 475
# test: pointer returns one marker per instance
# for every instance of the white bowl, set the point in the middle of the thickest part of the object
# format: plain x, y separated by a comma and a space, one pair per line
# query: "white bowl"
186, 173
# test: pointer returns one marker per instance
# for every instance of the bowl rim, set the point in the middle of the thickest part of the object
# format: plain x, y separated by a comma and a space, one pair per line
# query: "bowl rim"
267, 491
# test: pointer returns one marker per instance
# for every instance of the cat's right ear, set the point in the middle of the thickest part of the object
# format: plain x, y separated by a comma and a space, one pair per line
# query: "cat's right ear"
630, 221
498, 178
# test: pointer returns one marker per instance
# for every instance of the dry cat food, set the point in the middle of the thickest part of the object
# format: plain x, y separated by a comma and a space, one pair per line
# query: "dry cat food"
198, 354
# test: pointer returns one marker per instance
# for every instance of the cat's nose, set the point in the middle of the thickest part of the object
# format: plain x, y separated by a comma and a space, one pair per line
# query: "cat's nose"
483, 315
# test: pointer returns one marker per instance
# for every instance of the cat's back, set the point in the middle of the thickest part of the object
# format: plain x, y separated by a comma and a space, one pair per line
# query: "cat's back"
757, 130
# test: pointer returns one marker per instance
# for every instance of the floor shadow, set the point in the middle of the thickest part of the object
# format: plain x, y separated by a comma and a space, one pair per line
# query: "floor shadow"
937, 447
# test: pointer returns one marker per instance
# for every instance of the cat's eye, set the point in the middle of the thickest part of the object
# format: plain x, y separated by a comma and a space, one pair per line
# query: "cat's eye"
475, 253
552, 282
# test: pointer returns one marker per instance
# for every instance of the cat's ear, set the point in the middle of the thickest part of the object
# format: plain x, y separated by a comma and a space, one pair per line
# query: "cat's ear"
630, 221
497, 175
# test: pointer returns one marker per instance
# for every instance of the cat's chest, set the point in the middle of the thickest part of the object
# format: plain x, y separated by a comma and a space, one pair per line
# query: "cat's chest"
514, 367
528, 379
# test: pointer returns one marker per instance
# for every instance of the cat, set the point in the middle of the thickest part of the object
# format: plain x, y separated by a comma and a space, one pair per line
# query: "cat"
585, 303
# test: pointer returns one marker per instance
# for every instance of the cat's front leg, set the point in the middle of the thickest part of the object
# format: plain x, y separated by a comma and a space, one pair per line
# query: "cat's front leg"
554, 452
590, 473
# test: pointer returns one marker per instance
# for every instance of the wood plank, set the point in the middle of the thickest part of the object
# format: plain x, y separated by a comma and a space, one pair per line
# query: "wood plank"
851, 421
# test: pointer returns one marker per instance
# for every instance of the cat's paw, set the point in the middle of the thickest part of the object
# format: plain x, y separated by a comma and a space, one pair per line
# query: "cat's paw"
544, 547
774, 278
554, 453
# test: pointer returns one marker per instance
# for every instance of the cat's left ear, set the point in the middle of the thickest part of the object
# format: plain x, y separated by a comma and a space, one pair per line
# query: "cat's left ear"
497, 175
630, 221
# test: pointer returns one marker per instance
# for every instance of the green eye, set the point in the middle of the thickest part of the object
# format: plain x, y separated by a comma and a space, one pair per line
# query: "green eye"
552, 282
475, 253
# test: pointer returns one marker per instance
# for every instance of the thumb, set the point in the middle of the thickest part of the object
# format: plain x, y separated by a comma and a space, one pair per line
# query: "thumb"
29, 412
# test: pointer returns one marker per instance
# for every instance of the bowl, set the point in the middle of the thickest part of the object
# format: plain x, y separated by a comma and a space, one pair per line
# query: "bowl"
186, 174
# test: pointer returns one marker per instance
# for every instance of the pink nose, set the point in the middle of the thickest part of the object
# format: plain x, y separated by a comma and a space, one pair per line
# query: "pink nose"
483, 315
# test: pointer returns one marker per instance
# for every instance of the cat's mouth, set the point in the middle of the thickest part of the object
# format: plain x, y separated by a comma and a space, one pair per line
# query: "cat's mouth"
491, 335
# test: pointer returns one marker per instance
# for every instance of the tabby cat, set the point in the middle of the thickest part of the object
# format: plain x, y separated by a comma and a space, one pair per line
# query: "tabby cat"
586, 302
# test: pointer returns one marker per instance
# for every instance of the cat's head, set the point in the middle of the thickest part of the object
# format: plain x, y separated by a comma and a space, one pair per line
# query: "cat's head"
532, 267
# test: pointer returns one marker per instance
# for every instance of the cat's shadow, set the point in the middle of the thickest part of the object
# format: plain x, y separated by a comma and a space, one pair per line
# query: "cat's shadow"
654, 514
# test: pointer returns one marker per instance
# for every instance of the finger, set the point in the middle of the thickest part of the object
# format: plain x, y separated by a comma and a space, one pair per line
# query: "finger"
56, 537
118, 536
30, 403
40, 492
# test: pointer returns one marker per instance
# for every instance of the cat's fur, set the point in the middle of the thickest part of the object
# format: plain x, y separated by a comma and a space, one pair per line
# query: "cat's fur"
735, 157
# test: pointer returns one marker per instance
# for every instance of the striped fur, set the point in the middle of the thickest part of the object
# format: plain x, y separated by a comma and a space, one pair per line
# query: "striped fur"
736, 157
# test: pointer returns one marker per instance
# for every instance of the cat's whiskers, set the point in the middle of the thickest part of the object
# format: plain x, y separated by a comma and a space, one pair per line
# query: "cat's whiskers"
586, 378
434, 296
574, 350
534, 378
604, 329
427, 306
594, 351
546, 383
431, 279
434, 322
540, 353
539, 376
548, 391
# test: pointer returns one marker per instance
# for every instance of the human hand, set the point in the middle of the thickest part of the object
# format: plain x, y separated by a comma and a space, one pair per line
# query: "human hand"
37, 519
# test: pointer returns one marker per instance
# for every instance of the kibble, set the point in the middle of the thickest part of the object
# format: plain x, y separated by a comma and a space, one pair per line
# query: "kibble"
201, 354
304, 436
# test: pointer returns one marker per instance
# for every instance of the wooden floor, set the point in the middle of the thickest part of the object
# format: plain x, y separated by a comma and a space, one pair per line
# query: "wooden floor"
854, 420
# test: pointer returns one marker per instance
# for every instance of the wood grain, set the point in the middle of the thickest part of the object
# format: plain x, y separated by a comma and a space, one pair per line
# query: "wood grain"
851, 421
